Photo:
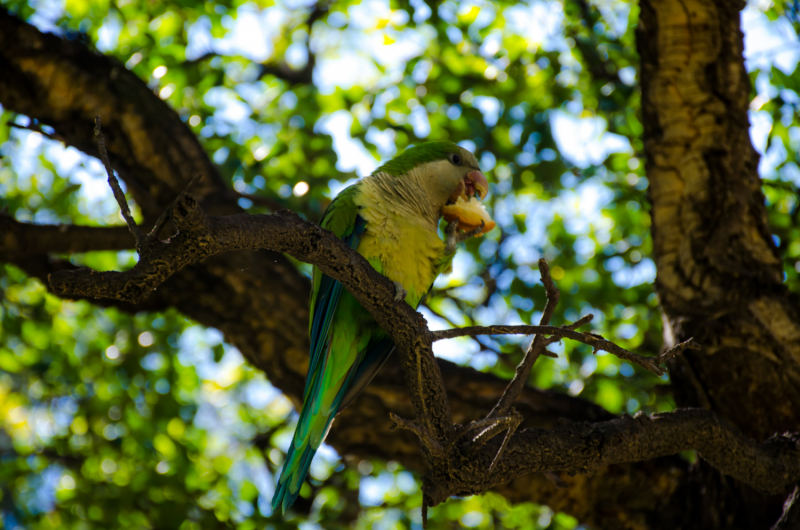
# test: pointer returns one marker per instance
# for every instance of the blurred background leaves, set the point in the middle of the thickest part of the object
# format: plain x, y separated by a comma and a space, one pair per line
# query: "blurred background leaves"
151, 421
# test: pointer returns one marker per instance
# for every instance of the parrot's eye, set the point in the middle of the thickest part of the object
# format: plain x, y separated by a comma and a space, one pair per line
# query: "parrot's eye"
455, 159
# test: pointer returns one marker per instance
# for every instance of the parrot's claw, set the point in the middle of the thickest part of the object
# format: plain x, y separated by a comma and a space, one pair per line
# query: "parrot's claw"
454, 237
488, 428
399, 292
475, 232
450, 230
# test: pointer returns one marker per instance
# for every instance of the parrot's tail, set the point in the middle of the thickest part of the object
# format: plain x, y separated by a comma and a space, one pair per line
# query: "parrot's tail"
293, 474
316, 419
308, 436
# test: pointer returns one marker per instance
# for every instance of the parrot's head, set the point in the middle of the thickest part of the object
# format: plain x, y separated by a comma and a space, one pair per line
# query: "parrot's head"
444, 170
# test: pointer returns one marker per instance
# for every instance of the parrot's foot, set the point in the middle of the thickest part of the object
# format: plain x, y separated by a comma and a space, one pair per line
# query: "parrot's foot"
454, 237
399, 292
488, 428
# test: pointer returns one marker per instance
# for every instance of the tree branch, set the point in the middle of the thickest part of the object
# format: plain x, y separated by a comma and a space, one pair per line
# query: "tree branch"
21, 240
595, 341
200, 236
62, 84
119, 195
305, 75
538, 345
790, 519
582, 448
472, 465
599, 67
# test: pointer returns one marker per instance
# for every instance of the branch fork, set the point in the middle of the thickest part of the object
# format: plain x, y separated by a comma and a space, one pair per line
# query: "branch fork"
144, 243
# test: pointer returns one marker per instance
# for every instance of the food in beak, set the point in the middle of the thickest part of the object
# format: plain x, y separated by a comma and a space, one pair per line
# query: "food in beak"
464, 205
469, 215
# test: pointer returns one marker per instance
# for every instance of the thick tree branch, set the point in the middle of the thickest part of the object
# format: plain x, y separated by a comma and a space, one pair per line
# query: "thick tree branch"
42, 266
456, 467
19, 240
63, 84
582, 448
201, 236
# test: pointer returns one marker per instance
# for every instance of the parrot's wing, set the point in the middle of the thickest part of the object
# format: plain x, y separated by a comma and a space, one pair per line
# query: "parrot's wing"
341, 218
373, 359
377, 353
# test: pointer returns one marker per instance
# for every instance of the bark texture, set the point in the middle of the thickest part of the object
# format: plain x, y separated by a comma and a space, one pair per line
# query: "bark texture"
719, 274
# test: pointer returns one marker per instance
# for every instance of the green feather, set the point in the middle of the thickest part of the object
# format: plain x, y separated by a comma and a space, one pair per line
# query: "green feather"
416, 156
347, 345
340, 218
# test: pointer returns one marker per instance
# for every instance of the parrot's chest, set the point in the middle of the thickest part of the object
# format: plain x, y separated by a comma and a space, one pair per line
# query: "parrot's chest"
406, 249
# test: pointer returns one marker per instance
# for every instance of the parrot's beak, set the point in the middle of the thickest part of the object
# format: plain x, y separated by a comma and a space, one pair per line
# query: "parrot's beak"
476, 184
473, 185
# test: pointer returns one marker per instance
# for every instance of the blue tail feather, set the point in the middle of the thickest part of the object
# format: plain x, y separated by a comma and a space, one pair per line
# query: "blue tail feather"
284, 496
297, 465
308, 434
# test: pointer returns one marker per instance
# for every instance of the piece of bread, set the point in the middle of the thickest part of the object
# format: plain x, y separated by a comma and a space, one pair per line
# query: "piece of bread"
469, 214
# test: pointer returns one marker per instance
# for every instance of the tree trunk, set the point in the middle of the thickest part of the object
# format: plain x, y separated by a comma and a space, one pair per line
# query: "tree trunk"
719, 273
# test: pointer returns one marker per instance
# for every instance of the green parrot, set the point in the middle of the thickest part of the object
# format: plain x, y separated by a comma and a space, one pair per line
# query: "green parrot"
391, 218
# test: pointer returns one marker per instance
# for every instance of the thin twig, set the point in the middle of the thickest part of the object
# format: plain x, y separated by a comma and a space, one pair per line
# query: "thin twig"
536, 348
790, 519
595, 341
491, 427
35, 127
689, 344
167, 213
499, 416
515, 420
585, 319
449, 322
112, 181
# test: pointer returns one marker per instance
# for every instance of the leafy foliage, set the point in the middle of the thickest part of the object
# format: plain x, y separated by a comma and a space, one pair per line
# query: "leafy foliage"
150, 421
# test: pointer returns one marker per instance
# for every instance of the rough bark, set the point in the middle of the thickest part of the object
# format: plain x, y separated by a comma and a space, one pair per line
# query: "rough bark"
719, 273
